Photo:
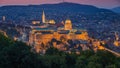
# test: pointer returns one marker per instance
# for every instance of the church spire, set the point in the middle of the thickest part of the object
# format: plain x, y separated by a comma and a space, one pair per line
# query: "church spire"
43, 17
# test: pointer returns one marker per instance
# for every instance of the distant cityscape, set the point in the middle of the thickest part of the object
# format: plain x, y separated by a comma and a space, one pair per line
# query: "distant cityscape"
65, 36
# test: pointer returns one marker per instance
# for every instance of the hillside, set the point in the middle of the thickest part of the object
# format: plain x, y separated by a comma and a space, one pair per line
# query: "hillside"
14, 54
52, 10
117, 10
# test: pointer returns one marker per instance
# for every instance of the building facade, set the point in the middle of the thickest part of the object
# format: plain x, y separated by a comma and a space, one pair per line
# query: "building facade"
44, 35
40, 35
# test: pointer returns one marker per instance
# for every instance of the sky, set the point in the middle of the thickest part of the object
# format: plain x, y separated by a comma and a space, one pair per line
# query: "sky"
98, 3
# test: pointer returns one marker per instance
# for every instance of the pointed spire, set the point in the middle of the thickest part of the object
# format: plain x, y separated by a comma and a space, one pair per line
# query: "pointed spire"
43, 17
43, 13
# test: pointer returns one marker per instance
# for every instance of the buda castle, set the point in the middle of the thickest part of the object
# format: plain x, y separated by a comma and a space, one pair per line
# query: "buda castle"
46, 31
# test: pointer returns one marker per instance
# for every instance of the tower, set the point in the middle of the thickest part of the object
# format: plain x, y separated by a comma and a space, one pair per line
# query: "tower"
116, 36
116, 42
43, 17
68, 25
3, 18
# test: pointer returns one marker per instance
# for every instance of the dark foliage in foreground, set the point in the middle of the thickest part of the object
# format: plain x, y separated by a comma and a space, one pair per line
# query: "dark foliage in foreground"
15, 54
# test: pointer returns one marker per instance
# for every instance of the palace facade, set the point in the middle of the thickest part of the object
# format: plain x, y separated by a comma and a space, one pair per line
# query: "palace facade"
45, 32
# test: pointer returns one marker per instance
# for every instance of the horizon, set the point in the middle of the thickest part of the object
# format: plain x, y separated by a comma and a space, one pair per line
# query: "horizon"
98, 3
55, 3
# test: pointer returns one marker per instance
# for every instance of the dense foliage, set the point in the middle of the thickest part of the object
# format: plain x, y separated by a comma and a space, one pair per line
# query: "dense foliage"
15, 54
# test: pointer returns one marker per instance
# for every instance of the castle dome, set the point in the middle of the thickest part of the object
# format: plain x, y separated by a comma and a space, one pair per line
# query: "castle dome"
68, 21
68, 24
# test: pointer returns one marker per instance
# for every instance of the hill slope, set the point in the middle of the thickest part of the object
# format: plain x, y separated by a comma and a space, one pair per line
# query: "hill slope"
117, 9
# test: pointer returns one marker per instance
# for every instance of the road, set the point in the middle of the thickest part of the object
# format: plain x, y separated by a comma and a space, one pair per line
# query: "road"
115, 53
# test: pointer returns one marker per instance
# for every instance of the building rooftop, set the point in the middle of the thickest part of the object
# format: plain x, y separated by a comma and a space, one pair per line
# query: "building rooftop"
78, 32
44, 29
64, 32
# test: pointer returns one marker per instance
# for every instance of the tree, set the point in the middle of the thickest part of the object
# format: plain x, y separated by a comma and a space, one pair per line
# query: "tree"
87, 53
71, 60
111, 66
4, 41
106, 57
81, 62
52, 61
17, 56
14, 54
53, 51
94, 65
95, 59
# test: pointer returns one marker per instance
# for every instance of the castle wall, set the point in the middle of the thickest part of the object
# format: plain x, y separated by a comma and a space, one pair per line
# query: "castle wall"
45, 38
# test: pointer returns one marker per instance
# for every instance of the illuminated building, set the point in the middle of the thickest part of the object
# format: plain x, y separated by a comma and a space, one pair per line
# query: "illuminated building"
4, 33
52, 22
68, 25
97, 45
35, 22
45, 21
116, 42
44, 35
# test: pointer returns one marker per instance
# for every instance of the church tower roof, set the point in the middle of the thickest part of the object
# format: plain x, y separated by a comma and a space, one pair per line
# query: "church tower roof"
43, 17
